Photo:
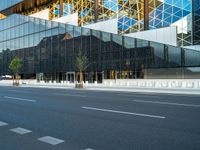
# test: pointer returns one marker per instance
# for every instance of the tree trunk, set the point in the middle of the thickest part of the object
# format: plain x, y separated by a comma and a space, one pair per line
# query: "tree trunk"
81, 76
16, 79
13, 77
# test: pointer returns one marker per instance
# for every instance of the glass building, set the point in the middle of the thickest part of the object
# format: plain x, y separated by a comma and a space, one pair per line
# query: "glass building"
48, 47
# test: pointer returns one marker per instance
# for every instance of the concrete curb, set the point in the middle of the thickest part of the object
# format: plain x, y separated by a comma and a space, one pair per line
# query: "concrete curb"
113, 89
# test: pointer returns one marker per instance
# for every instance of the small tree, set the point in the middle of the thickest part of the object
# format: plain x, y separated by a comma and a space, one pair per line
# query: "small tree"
81, 64
15, 66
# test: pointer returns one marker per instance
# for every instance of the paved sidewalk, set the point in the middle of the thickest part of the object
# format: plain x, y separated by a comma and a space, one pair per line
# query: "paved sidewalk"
101, 87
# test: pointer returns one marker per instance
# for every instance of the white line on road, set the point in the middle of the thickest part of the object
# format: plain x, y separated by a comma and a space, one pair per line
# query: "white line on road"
75, 95
20, 99
123, 112
51, 140
3, 124
142, 96
166, 103
18, 91
20, 131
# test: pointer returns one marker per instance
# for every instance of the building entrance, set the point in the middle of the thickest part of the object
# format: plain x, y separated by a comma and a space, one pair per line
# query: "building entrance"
70, 77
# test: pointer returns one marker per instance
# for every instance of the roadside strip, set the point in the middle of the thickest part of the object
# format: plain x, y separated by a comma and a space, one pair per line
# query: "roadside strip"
20, 99
123, 112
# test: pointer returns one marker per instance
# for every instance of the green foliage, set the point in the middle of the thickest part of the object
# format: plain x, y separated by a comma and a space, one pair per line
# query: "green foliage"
15, 65
81, 61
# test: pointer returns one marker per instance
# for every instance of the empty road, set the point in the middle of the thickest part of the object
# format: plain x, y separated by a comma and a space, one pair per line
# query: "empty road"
67, 119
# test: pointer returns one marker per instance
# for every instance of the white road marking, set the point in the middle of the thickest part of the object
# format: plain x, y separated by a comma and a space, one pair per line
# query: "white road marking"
20, 130
75, 91
89, 149
75, 95
123, 112
142, 96
3, 124
18, 91
51, 140
166, 103
20, 99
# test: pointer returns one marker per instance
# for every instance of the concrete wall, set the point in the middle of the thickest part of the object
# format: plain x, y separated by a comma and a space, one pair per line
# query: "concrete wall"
69, 19
44, 14
106, 26
126, 83
154, 83
166, 35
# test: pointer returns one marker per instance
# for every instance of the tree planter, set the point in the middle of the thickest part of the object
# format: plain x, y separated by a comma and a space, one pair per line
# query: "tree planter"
79, 85
81, 65
15, 84
15, 66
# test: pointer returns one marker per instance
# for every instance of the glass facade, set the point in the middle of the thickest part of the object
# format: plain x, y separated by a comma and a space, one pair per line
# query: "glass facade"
130, 14
51, 48
4, 4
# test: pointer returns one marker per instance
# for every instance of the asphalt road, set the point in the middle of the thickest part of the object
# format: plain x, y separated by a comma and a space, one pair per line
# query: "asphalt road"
58, 119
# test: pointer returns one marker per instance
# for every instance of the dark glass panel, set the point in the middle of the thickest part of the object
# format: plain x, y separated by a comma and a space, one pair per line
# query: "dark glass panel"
158, 54
142, 43
174, 56
192, 58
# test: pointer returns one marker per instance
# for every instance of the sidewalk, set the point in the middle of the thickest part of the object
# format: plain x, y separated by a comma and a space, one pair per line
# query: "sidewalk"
102, 87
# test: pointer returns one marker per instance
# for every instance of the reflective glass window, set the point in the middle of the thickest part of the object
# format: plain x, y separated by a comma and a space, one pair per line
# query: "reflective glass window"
192, 57
61, 28
158, 54
129, 42
77, 31
142, 43
21, 42
36, 25
70, 30
42, 25
174, 56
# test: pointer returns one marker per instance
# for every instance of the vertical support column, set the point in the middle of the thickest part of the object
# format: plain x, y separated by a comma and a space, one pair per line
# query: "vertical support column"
193, 23
96, 10
61, 8
34, 4
166, 55
96, 79
146, 14
182, 63
182, 57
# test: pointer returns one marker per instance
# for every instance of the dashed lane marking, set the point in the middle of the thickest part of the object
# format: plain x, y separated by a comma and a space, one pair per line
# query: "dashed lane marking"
20, 99
18, 91
20, 131
50, 140
142, 96
3, 124
74, 95
166, 103
123, 112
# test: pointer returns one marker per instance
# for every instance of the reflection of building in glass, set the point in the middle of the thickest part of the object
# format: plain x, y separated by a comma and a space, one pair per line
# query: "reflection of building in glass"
47, 34
130, 14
